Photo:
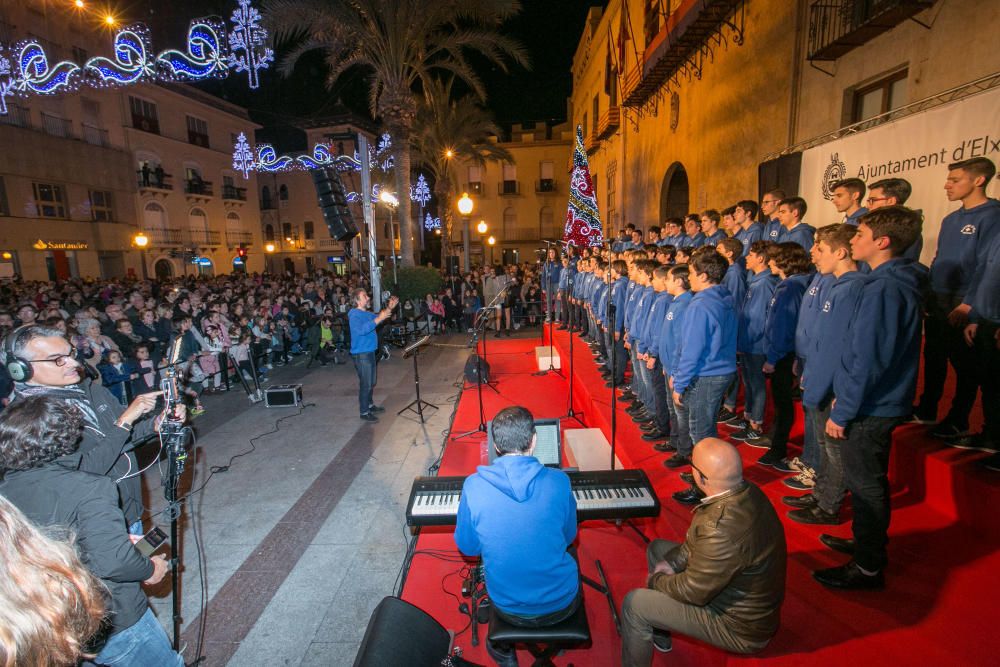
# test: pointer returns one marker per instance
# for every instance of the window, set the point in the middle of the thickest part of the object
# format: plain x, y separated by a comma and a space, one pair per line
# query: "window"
101, 209
265, 198
509, 178
283, 193
880, 97
308, 231
197, 131
144, 116
546, 182
286, 231
651, 22
509, 222
597, 112
4, 210
475, 180
269, 232
197, 220
154, 217
50, 200
546, 222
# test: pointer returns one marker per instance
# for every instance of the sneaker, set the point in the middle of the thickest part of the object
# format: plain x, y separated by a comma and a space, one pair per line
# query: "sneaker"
801, 482
797, 464
662, 641
376, 409
725, 414
369, 417
677, 461
737, 423
784, 466
763, 442
746, 434
774, 461
947, 431
194, 412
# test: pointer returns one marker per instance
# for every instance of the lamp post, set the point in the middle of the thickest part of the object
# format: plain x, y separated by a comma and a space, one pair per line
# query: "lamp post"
482, 228
269, 249
391, 202
465, 206
492, 241
141, 241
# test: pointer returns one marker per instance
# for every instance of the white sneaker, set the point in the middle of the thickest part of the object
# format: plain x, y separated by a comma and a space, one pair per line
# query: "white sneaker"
797, 464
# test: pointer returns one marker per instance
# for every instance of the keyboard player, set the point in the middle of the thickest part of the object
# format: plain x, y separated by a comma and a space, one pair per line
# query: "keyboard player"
520, 517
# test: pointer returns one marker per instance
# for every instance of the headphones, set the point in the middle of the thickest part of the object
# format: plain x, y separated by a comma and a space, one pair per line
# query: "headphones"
18, 369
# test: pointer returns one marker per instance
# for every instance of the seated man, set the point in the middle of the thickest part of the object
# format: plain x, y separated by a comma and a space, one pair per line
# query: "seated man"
724, 585
520, 517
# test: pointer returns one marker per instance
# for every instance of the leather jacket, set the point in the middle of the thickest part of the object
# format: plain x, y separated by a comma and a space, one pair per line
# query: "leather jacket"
732, 561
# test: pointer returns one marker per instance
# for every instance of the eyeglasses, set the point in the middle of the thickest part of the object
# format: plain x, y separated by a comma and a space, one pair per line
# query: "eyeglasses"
59, 360
704, 477
873, 200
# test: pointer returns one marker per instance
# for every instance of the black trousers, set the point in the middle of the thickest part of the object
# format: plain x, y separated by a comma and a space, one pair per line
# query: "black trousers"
944, 344
659, 382
988, 363
782, 381
865, 456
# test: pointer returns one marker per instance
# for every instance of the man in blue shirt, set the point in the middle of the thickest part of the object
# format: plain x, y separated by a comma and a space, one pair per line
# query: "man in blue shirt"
735, 281
769, 209
669, 340
791, 211
648, 353
983, 334
847, 196
874, 385
710, 220
673, 233
520, 517
364, 342
894, 192
692, 227
551, 272
619, 293
748, 229
962, 243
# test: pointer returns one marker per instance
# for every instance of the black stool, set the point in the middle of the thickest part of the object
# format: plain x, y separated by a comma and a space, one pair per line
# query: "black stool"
545, 642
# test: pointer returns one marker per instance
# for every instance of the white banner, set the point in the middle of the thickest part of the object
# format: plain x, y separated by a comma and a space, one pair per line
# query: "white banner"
917, 148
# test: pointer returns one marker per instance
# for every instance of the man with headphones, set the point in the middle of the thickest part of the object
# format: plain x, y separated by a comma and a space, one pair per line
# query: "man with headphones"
42, 362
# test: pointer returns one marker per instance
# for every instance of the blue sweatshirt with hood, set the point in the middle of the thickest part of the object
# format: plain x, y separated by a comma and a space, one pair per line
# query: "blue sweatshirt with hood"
755, 232
644, 302
830, 337
520, 517
985, 300
782, 317
812, 302
801, 233
669, 339
619, 292
735, 281
877, 375
714, 237
753, 314
962, 244
650, 334
772, 230
708, 336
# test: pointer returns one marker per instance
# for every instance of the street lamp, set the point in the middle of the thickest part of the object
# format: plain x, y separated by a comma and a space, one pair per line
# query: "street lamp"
465, 206
269, 248
391, 202
492, 241
141, 241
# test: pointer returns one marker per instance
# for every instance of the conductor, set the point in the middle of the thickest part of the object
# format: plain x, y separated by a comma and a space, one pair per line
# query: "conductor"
364, 342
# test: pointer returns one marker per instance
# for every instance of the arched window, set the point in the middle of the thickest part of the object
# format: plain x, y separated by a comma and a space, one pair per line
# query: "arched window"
286, 230
546, 222
307, 230
233, 221
197, 220
268, 232
265, 198
283, 193
509, 222
154, 217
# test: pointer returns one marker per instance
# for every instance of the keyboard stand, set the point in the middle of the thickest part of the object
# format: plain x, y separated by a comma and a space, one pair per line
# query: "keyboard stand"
604, 589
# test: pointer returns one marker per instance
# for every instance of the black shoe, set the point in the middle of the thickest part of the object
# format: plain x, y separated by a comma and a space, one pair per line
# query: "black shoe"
991, 463
369, 417
947, 431
677, 461
850, 577
725, 414
649, 428
800, 502
746, 434
662, 641
814, 516
771, 459
687, 477
690, 496
376, 409
844, 545
653, 436
664, 447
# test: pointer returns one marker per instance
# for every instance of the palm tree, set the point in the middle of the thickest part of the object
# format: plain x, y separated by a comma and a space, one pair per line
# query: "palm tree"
449, 130
399, 43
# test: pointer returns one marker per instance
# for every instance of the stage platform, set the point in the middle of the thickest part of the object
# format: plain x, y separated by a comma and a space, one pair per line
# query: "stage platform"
937, 608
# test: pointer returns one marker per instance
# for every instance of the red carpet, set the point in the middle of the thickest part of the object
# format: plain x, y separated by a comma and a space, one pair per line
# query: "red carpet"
938, 606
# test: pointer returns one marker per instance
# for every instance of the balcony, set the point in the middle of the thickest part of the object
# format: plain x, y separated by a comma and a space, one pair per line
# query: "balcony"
546, 186
474, 188
164, 237
17, 115
153, 180
268, 205
509, 188
204, 237
145, 123
233, 193
839, 26
609, 122
96, 136
237, 238
679, 43
198, 190
591, 143
56, 126
329, 243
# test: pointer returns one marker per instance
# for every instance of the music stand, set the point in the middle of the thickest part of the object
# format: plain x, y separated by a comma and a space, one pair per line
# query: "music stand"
418, 405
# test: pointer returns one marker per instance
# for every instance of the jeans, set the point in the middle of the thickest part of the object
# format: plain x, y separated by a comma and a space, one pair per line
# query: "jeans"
784, 409
364, 364
621, 360
700, 405
944, 343
755, 384
644, 610
659, 386
810, 440
829, 490
988, 363
145, 643
866, 471
733, 391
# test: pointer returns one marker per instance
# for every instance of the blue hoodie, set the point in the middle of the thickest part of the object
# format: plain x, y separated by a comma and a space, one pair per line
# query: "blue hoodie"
669, 338
631, 299
735, 281
708, 336
644, 301
714, 238
520, 517
878, 368
830, 337
801, 233
855, 218
650, 334
696, 241
772, 230
782, 316
551, 272
755, 232
985, 300
619, 292
753, 314
962, 242
812, 302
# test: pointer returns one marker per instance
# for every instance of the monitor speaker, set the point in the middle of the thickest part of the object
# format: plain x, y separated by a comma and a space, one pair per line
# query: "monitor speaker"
332, 198
402, 635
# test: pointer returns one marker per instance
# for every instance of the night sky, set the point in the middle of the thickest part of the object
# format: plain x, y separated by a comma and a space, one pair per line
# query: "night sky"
549, 29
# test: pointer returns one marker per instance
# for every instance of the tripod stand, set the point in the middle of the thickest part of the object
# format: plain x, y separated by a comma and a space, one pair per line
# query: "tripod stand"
418, 405
552, 368
571, 413
481, 323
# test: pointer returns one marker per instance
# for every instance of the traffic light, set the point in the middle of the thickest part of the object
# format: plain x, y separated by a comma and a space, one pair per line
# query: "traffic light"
241, 252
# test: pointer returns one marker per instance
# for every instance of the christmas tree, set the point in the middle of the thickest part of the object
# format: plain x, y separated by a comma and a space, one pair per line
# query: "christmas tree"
583, 220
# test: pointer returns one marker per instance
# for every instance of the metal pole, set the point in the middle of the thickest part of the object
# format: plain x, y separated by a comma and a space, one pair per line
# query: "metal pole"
465, 241
369, 215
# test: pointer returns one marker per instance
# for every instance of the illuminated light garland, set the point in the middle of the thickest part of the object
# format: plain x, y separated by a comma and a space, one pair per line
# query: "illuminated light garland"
421, 192
243, 157
269, 161
34, 74
431, 224
248, 42
6, 82
206, 55
131, 63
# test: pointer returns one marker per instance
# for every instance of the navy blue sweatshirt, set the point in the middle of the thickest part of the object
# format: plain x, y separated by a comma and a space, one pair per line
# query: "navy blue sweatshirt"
747, 236
831, 336
550, 276
783, 316
735, 281
649, 338
520, 517
696, 241
753, 314
801, 233
812, 302
714, 238
772, 230
985, 300
619, 292
708, 337
962, 242
878, 369
669, 340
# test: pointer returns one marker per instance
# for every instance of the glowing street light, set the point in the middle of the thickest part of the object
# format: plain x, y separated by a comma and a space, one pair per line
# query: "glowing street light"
109, 19
269, 247
140, 240
389, 199
449, 154
482, 227
79, 4
492, 240
465, 206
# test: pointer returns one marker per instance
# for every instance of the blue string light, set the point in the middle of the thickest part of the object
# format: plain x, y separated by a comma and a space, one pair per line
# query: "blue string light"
248, 41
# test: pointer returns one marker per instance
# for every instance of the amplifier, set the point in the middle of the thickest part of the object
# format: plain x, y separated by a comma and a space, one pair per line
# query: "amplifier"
283, 396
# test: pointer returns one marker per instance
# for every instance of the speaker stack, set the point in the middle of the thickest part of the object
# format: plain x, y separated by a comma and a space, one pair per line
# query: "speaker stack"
332, 198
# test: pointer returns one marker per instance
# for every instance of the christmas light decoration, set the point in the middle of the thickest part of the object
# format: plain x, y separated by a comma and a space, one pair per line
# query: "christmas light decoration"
268, 160
34, 75
431, 223
206, 55
243, 158
131, 63
421, 192
583, 220
6, 82
248, 41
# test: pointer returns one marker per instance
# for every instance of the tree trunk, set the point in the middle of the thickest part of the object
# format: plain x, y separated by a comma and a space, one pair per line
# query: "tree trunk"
401, 142
444, 198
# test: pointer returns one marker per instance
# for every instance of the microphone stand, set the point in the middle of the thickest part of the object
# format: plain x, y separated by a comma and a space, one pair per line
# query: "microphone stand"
552, 320
482, 320
570, 413
612, 314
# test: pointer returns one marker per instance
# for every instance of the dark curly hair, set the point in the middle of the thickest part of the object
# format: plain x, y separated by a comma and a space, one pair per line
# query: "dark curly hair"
791, 258
37, 430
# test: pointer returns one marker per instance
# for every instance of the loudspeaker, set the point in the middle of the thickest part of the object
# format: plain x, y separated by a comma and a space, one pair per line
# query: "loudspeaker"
402, 635
332, 198
471, 369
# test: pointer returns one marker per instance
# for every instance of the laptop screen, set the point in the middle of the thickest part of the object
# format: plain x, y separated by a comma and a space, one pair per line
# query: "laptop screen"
547, 448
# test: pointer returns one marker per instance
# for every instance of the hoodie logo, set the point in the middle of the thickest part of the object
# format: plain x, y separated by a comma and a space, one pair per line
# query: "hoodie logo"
826, 307
813, 290
670, 316
969, 229
773, 299
774, 233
